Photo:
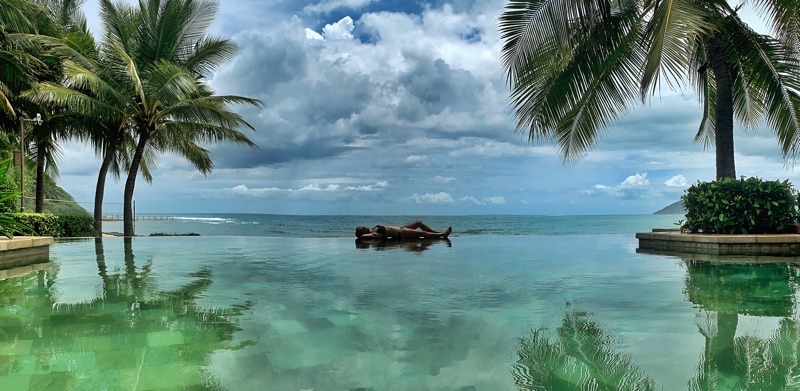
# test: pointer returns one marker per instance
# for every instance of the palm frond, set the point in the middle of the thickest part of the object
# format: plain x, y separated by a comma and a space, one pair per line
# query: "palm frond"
771, 69
673, 24
784, 16
581, 90
208, 54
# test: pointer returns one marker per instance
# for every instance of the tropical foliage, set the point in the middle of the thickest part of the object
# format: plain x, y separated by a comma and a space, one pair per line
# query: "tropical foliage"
8, 224
577, 66
46, 224
579, 355
740, 206
138, 92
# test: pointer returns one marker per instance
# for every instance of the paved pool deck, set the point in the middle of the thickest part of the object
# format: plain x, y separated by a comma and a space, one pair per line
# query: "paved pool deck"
781, 245
24, 250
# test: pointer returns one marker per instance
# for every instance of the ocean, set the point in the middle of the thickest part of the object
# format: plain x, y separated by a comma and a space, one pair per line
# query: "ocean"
331, 226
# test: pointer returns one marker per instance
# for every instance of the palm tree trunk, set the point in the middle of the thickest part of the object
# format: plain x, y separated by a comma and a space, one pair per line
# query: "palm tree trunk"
39, 179
726, 333
723, 117
130, 183
99, 192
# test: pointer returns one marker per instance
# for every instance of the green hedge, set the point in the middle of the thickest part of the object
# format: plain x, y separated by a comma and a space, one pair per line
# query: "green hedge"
45, 224
740, 206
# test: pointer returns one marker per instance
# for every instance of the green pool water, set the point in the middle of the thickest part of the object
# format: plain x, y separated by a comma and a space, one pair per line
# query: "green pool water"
482, 313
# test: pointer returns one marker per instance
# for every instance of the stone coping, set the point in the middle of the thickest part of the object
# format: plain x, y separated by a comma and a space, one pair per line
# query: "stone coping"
672, 236
18, 242
23, 250
780, 245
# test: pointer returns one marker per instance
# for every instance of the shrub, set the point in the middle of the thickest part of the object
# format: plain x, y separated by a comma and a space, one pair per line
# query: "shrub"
44, 224
75, 226
740, 206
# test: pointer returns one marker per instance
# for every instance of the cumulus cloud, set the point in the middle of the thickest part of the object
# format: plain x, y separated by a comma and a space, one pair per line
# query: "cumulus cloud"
310, 188
496, 200
342, 30
677, 181
428, 198
633, 187
326, 93
416, 159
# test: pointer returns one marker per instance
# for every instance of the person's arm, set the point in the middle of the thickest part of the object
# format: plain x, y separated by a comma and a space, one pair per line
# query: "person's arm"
371, 236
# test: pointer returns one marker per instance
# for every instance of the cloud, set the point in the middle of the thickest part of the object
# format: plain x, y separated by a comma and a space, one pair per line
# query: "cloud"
416, 159
428, 198
677, 181
326, 93
633, 187
332, 5
496, 200
442, 180
309, 188
342, 30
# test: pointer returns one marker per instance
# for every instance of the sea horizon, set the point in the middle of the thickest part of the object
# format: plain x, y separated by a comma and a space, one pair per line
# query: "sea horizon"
280, 225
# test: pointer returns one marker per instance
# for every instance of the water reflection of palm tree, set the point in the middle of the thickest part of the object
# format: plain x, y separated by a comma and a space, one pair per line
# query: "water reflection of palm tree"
133, 336
725, 291
579, 356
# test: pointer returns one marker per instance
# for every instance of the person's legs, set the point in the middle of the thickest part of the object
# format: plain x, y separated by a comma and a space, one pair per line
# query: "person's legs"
419, 224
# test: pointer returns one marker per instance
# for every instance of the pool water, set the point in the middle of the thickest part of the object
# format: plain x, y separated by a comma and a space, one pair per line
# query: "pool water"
480, 313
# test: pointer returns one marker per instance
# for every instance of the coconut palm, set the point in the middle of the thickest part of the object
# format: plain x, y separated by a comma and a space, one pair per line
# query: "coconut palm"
103, 122
64, 20
18, 64
155, 92
163, 60
576, 66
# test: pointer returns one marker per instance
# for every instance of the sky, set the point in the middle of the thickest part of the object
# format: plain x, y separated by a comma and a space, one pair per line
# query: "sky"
400, 107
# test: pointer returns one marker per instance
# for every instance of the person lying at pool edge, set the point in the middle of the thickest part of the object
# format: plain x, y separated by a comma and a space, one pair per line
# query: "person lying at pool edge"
410, 231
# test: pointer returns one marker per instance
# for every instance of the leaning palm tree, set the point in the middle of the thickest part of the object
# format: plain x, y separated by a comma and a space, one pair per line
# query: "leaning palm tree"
164, 58
98, 113
576, 66
153, 92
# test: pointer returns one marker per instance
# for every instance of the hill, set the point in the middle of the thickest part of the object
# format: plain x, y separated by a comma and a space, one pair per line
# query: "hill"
675, 208
65, 205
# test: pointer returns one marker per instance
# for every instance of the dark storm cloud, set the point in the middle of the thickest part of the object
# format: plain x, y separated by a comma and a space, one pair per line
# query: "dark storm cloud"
264, 61
338, 96
436, 86
271, 155
326, 94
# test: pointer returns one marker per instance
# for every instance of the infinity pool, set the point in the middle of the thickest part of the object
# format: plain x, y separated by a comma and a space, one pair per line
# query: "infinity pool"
481, 313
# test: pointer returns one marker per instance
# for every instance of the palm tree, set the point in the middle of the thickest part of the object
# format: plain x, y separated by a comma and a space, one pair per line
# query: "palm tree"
103, 121
18, 66
575, 66
153, 92
64, 20
164, 61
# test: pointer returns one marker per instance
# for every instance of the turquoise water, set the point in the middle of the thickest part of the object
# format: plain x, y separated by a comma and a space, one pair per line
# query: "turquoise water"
344, 226
486, 312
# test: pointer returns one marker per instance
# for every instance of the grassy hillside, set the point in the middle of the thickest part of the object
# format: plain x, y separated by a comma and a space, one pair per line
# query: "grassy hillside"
66, 204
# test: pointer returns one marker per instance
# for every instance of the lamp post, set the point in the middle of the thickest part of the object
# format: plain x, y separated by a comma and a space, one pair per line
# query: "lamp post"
37, 121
